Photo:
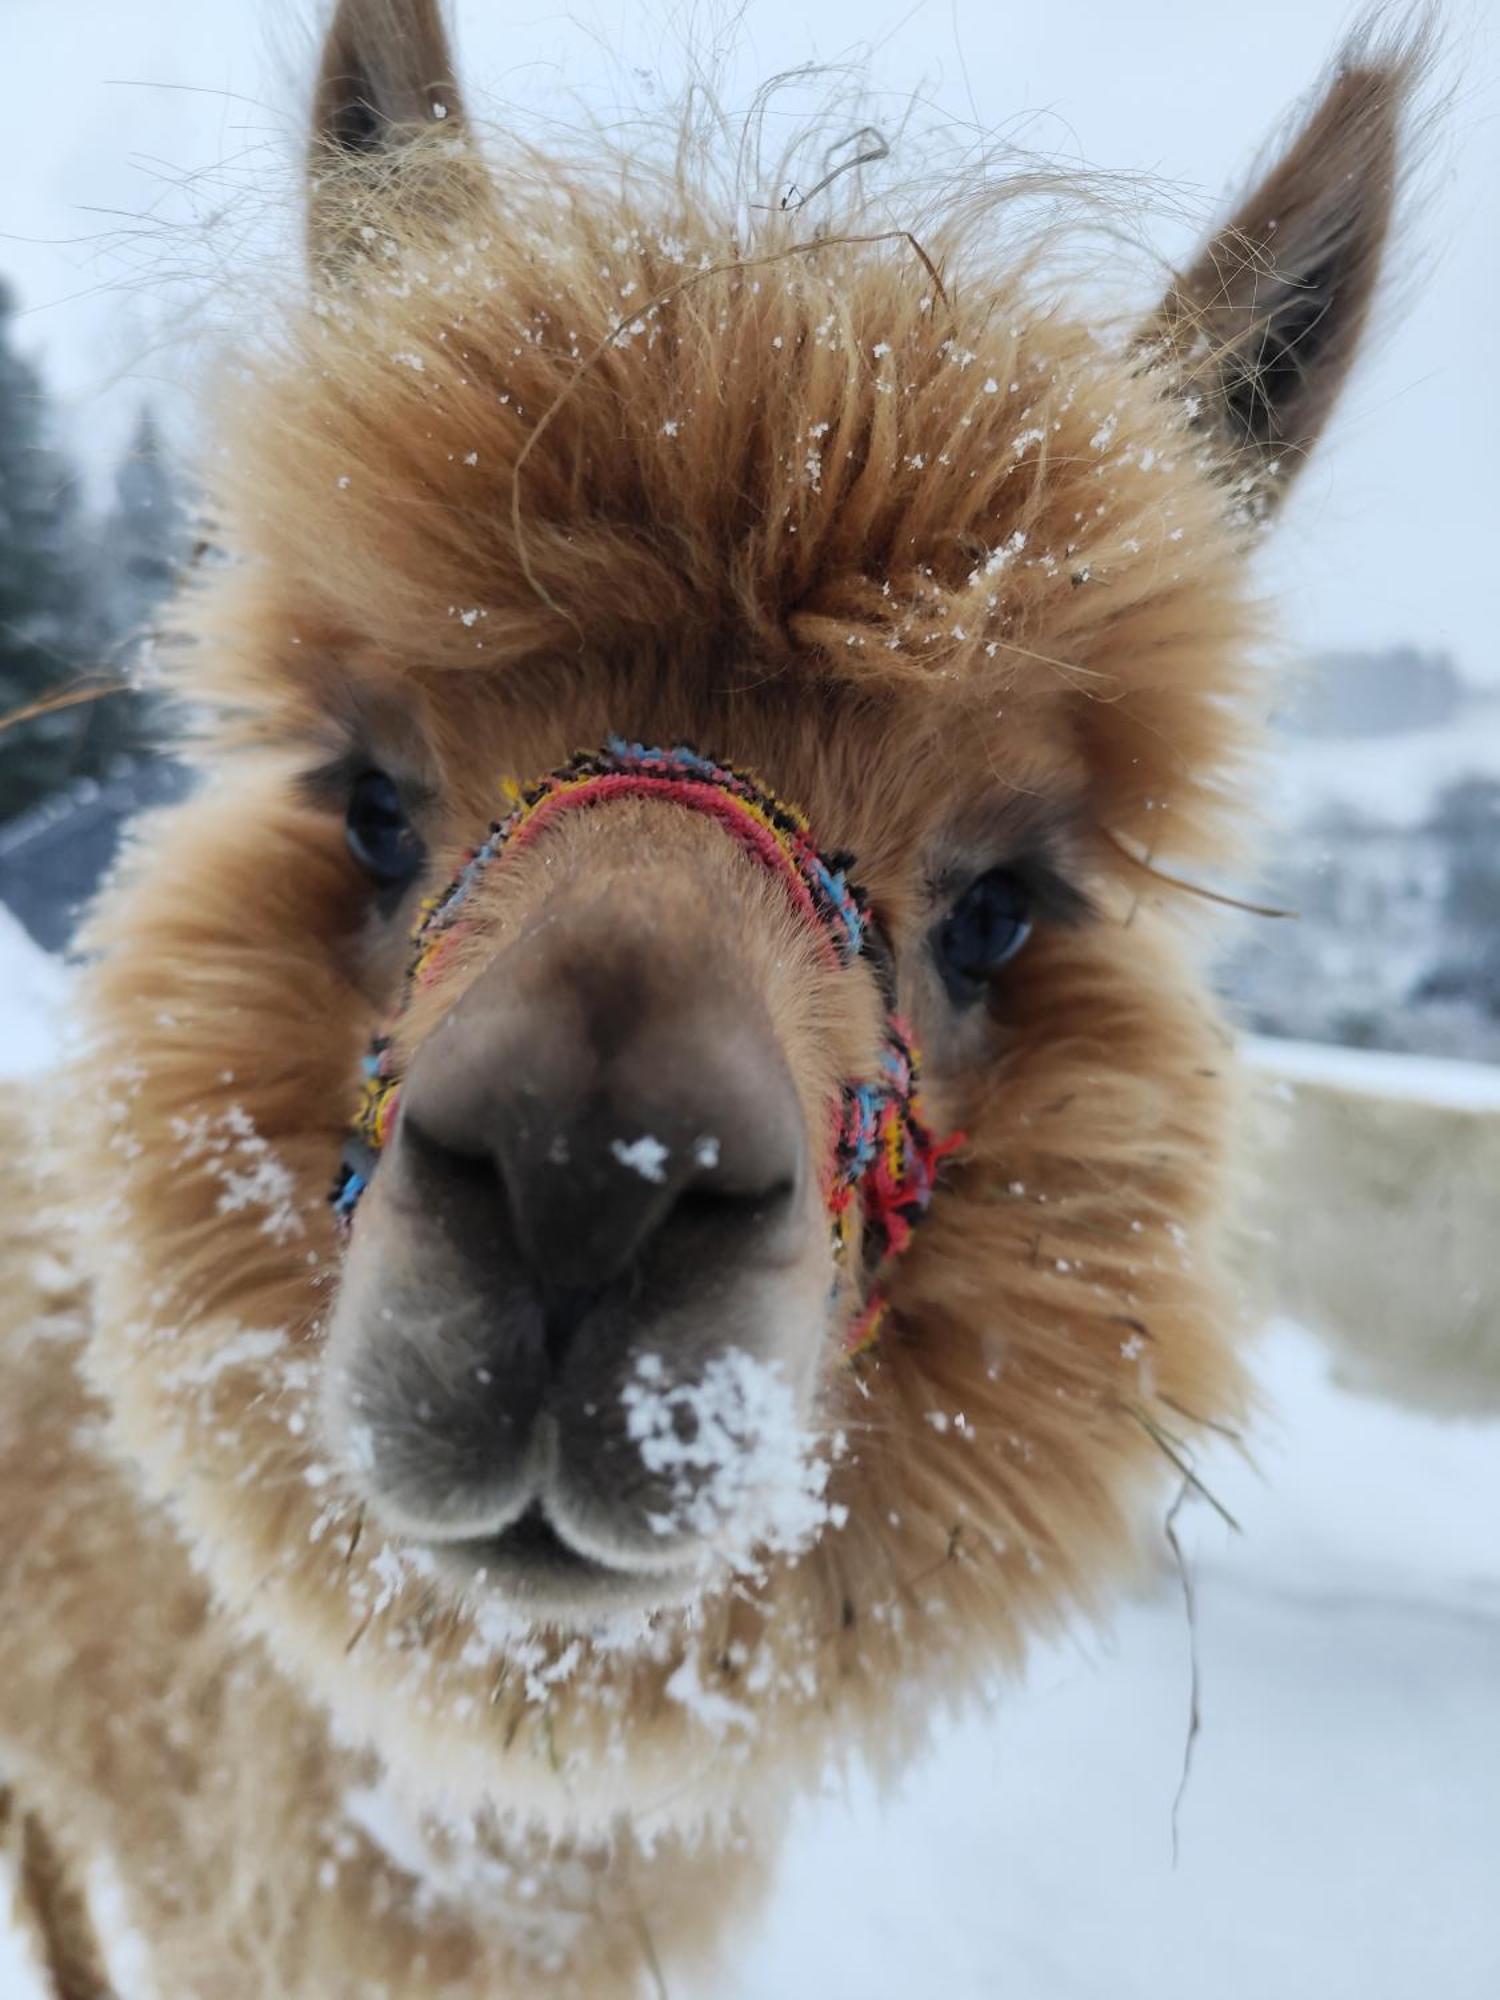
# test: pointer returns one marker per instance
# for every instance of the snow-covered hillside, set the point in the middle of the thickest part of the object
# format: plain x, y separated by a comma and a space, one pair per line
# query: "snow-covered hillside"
1338, 1832
1391, 780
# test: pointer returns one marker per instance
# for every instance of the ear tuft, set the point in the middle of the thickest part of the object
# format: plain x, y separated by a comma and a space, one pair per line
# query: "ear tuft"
1262, 329
388, 123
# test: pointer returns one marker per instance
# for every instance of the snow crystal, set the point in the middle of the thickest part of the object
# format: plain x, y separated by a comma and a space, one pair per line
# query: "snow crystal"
999, 558
245, 1349
265, 1183
249, 1173
713, 1709
644, 1156
740, 1469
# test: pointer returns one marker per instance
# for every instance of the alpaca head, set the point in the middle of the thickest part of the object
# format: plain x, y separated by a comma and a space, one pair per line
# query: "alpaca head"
554, 1453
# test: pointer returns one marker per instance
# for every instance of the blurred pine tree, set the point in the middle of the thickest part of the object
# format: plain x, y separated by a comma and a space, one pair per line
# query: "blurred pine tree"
44, 613
76, 599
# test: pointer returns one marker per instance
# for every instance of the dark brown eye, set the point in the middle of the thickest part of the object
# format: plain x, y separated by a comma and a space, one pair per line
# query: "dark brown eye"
381, 837
986, 927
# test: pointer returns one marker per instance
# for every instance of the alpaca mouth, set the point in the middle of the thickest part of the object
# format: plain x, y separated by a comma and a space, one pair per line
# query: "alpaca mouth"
536, 1565
534, 1539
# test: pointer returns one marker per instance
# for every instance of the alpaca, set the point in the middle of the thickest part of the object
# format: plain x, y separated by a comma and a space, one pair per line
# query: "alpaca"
703, 736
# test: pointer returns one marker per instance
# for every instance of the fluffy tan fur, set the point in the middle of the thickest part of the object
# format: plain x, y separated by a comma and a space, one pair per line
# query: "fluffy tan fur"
546, 457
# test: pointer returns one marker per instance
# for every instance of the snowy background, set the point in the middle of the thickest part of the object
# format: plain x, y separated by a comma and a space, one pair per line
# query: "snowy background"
1340, 1833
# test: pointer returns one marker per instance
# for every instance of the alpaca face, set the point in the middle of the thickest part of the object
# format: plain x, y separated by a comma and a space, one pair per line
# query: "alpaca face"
960, 582
596, 1242
595, 1288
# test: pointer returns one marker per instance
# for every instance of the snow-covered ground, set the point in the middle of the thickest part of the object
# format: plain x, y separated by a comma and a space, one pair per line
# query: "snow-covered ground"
1390, 780
1340, 1831
33, 989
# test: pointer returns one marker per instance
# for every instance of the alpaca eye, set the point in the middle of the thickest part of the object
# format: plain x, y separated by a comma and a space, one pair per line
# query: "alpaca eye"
381, 838
986, 927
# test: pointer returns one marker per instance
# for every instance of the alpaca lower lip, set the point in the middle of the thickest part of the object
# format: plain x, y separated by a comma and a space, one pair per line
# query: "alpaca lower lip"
533, 1559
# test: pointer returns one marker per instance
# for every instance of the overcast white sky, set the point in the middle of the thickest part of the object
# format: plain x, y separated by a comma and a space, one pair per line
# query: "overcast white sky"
1394, 533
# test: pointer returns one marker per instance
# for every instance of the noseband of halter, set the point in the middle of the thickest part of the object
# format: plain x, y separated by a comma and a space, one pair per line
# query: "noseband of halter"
882, 1154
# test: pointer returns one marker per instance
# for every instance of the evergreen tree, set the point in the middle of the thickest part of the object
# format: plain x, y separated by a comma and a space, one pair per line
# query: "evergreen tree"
43, 602
143, 543
144, 535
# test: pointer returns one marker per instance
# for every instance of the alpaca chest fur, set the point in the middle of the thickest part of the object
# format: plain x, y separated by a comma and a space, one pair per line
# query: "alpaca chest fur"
452, 1594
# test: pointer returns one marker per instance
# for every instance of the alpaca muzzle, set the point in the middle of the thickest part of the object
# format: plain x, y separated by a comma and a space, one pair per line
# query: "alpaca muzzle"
596, 1162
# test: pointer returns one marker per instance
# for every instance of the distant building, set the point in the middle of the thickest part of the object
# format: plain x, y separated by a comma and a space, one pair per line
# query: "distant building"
1373, 694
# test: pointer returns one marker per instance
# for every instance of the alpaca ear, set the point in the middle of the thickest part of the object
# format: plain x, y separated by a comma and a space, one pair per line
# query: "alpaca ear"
389, 136
1260, 332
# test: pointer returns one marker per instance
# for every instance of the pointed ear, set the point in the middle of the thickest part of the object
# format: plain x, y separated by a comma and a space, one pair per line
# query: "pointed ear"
389, 136
1261, 330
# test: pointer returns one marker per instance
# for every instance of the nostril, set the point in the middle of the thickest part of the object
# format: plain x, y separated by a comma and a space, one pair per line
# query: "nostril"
443, 1154
466, 1181
752, 1173
714, 1201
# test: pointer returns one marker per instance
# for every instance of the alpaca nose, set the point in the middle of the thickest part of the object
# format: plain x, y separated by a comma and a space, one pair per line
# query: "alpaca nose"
594, 1125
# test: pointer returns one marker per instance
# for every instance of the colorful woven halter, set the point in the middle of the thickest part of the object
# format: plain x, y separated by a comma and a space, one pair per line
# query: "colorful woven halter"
882, 1153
